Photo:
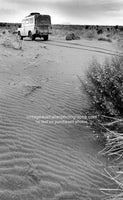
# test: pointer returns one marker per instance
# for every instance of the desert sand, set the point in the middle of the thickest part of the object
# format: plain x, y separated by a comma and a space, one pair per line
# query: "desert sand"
41, 160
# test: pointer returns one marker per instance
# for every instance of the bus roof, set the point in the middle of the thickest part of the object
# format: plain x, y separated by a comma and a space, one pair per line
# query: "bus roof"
39, 19
37, 14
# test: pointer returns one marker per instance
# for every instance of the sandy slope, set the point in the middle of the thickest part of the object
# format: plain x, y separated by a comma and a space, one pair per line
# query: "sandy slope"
47, 161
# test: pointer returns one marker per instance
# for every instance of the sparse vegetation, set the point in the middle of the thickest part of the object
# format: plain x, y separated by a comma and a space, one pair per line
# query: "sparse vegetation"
72, 36
90, 34
99, 31
4, 32
82, 31
104, 89
105, 83
104, 39
105, 33
12, 41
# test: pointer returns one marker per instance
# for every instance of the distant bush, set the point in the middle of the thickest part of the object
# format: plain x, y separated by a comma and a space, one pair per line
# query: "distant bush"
108, 35
90, 34
104, 39
72, 36
108, 29
3, 32
100, 31
121, 28
87, 27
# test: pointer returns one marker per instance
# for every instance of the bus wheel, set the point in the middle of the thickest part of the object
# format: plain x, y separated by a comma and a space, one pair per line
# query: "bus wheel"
21, 37
33, 37
19, 34
45, 37
30, 34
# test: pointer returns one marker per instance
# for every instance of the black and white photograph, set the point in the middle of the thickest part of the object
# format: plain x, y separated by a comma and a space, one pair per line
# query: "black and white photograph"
61, 99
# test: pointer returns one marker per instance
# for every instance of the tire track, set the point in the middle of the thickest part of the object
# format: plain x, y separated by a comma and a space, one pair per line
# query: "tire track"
89, 48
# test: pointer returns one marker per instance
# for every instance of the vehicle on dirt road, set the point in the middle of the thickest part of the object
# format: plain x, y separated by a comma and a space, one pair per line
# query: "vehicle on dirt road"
35, 25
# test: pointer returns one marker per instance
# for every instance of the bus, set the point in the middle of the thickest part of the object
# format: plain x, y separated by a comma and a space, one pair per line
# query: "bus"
35, 25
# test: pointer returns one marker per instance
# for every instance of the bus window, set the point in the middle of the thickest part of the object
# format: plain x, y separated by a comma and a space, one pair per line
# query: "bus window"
30, 20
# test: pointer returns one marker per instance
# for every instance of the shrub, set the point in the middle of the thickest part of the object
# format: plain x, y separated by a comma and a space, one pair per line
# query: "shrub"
121, 28
116, 27
72, 36
12, 41
104, 39
104, 88
100, 31
87, 27
3, 32
90, 34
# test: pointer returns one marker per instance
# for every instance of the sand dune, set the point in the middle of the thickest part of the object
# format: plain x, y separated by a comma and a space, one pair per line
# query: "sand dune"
38, 160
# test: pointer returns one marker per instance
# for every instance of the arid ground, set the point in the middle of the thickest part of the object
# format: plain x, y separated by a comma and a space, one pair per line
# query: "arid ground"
55, 159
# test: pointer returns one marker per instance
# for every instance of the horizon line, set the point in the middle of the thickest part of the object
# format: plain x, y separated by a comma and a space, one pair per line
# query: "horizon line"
65, 24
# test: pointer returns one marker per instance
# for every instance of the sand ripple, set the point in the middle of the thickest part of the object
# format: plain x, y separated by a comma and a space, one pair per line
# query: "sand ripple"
46, 161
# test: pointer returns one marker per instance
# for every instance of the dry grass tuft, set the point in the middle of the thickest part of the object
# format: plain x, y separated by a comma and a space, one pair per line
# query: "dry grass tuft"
104, 39
90, 34
12, 41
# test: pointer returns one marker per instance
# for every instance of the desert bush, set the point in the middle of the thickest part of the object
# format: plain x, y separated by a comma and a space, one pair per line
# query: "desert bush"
72, 36
104, 39
87, 27
121, 28
3, 32
108, 29
108, 35
90, 34
12, 41
100, 31
116, 27
104, 89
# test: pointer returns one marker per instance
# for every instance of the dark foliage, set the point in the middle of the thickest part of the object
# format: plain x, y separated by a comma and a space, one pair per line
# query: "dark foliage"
104, 87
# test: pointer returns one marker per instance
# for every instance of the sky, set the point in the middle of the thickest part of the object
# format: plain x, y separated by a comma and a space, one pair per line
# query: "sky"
98, 12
